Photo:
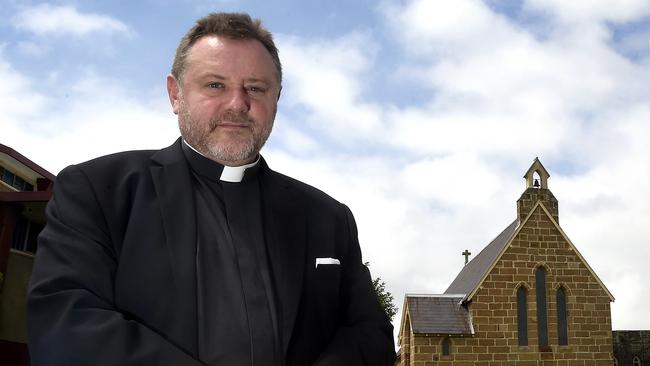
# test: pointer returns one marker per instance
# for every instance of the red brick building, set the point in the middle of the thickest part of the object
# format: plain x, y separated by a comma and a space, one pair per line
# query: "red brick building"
528, 298
25, 189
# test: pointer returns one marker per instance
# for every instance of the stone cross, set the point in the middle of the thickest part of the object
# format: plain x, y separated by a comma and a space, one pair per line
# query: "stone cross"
466, 253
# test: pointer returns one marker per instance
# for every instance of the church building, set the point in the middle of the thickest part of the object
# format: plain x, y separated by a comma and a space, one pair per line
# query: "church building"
528, 298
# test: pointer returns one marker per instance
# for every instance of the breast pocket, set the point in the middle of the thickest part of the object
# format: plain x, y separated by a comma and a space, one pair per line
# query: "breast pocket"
327, 282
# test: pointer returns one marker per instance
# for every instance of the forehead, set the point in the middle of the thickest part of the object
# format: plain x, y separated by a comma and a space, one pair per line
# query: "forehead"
240, 56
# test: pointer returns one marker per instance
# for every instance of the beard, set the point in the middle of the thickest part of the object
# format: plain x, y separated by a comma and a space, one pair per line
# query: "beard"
236, 147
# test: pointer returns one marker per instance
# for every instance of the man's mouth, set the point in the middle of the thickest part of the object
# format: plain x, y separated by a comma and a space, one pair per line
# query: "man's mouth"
233, 124
232, 120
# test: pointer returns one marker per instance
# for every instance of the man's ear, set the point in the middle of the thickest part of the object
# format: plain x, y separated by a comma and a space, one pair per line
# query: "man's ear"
174, 91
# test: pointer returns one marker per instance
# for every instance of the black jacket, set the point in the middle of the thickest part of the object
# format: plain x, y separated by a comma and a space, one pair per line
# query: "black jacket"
114, 279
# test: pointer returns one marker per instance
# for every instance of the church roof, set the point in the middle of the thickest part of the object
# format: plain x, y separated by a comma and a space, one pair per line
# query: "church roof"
473, 272
438, 314
472, 275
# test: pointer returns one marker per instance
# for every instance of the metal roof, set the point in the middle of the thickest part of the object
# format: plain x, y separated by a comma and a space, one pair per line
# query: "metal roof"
472, 273
438, 314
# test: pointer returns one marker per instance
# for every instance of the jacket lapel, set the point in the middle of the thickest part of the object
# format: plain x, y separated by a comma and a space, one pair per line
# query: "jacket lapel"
173, 185
284, 227
285, 230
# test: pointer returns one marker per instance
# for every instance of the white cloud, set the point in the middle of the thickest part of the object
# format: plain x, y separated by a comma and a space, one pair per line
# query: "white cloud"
494, 81
18, 96
292, 138
325, 76
77, 124
32, 49
444, 27
593, 10
467, 181
48, 20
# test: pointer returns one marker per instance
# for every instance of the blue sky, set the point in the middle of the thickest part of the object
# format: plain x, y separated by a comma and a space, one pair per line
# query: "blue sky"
421, 115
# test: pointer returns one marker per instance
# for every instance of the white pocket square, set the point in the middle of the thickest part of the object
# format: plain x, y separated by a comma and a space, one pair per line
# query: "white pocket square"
327, 261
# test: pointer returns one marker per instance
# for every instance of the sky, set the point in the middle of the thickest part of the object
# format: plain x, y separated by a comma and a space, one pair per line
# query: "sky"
420, 115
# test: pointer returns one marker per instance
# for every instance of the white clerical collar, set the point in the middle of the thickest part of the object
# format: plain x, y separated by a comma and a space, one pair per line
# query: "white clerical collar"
232, 174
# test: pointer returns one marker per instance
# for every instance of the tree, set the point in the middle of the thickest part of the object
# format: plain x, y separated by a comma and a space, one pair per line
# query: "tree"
384, 296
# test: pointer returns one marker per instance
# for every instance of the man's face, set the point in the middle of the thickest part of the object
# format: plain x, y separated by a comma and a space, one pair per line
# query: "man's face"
227, 98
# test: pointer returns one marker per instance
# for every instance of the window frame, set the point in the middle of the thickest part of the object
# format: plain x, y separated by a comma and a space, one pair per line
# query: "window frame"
542, 314
445, 347
522, 315
562, 317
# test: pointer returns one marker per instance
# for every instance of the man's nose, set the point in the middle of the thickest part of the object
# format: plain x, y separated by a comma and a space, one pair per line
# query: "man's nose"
239, 100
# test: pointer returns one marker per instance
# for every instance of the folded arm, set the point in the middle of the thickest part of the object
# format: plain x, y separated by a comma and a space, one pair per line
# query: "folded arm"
72, 316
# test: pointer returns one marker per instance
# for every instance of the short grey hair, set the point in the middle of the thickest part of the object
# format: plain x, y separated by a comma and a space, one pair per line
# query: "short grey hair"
231, 25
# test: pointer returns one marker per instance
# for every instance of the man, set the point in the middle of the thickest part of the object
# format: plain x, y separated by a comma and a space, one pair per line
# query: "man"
199, 254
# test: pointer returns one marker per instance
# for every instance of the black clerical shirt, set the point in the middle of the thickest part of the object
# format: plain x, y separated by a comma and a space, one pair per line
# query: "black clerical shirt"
237, 317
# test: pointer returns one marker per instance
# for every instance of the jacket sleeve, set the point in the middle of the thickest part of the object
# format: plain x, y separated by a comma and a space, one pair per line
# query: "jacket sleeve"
72, 317
366, 334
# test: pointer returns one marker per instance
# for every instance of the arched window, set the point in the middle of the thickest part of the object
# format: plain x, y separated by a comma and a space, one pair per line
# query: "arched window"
522, 316
446, 346
540, 291
562, 334
636, 361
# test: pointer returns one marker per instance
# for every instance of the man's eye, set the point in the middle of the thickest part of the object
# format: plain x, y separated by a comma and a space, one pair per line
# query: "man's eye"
255, 89
215, 85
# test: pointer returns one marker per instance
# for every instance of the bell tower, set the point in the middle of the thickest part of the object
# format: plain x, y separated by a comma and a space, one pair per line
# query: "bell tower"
536, 190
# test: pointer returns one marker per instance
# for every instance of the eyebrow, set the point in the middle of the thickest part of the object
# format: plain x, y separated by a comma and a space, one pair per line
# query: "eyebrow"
212, 75
221, 77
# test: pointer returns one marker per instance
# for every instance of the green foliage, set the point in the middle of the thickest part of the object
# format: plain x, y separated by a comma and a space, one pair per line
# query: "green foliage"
385, 297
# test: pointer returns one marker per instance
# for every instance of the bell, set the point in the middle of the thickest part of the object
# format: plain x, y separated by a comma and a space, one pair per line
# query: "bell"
536, 183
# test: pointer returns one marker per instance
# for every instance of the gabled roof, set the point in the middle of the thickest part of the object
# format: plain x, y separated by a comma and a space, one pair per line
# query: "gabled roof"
15, 157
543, 174
473, 272
537, 166
470, 279
438, 314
